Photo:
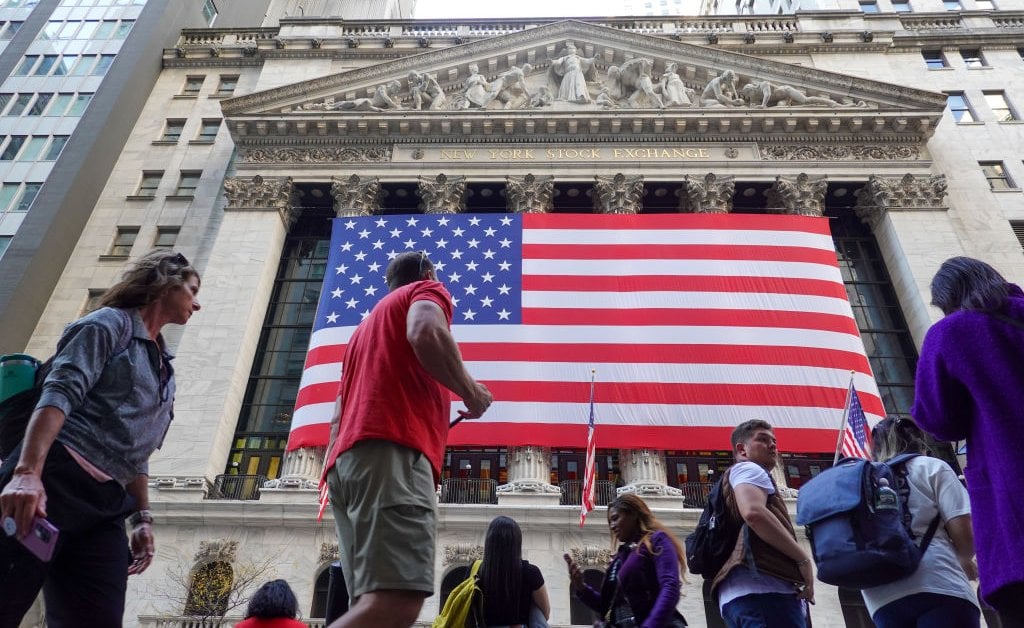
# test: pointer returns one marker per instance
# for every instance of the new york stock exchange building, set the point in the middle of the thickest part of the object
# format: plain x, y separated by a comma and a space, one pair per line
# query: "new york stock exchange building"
833, 124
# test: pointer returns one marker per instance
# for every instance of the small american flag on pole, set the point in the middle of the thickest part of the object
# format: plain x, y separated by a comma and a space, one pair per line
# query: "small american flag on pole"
587, 494
854, 437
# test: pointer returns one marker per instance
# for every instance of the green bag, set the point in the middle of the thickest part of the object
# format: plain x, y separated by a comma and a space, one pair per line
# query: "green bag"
464, 606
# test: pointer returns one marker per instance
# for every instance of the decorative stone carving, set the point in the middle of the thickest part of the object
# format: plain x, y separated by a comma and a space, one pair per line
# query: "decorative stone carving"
328, 154
443, 194
462, 553
221, 550
569, 73
426, 90
529, 194
762, 94
633, 82
857, 152
591, 556
643, 470
618, 194
476, 92
710, 195
721, 91
529, 471
329, 553
258, 193
383, 98
801, 195
355, 196
301, 469
510, 87
674, 92
882, 194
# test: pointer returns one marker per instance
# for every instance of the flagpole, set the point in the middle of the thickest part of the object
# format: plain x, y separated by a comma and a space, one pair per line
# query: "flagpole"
846, 416
589, 468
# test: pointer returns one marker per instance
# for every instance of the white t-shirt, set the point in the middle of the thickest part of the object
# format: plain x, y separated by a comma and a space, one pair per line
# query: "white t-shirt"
742, 580
934, 488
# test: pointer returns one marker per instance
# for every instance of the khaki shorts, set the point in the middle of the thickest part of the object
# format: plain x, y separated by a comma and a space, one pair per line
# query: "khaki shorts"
385, 507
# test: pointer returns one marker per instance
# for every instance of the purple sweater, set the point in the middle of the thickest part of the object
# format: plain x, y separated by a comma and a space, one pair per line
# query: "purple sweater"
970, 384
649, 583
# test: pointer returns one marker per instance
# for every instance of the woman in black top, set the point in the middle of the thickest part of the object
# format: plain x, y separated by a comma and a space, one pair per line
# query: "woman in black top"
511, 585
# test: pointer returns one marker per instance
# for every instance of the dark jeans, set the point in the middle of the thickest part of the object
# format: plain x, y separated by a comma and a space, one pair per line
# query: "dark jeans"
85, 582
928, 610
765, 610
1009, 603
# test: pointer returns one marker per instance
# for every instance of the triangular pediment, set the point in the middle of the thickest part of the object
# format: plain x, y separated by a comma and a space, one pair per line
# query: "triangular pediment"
565, 69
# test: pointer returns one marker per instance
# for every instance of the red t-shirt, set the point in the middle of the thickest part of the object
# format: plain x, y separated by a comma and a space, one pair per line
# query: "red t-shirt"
385, 393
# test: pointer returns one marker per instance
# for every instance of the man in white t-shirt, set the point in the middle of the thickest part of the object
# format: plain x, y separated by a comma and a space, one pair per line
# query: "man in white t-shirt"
768, 577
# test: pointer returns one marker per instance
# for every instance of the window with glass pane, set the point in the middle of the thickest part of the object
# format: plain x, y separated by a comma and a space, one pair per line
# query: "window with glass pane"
208, 130
60, 104
102, 65
79, 104
172, 131
123, 29
45, 65
5, 241
187, 183
4, 100
55, 148
192, 85
7, 193
26, 65
209, 12
999, 106
952, 5
83, 65
996, 174
69, 30
92, 301
149, 183
124, 239
52, 30
934, 59
959, 107
39, 105
972, 57
106, 27
9, 30
33, 148
869, 6
88, 29
901, 6
20, 104
12, 148
984, 5
227, 85
166, 237
28, 195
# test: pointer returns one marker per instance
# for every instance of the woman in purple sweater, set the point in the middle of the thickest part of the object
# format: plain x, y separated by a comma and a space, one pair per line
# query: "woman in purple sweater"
970, 385
642, 582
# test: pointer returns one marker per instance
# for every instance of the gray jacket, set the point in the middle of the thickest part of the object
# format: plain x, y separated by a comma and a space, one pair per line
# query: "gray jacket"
118, 407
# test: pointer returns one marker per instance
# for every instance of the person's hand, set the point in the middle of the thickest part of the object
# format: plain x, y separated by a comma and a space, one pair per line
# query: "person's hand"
970, 567
477, 401
143, 547
23, 499
575, 573
806, 592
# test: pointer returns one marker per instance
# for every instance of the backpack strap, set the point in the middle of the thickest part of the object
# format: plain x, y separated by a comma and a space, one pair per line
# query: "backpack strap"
899, 469
124, 337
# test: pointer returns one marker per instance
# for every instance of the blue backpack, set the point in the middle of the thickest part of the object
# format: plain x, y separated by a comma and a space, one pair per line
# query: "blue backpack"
860, 531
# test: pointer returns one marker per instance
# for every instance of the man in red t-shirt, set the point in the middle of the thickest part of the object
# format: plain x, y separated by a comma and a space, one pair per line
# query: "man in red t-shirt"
387, 444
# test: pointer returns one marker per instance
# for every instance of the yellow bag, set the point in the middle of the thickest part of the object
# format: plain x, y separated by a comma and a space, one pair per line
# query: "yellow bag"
465, 601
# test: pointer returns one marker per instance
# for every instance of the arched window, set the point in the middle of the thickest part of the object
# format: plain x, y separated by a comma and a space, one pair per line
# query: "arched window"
449, 582
318, 609
580, 613
210, 589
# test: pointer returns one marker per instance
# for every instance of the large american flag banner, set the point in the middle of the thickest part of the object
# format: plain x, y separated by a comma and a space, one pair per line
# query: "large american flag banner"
694, 324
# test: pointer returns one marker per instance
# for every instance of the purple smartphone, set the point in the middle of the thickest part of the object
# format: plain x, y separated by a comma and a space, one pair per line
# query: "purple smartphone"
41, 539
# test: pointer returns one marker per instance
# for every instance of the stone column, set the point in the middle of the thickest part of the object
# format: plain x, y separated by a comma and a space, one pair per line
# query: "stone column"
710, 195
801, 195
356, 196
236, 288
910, 220
529, 194
618, 194
443, 194
644, 472
529, 478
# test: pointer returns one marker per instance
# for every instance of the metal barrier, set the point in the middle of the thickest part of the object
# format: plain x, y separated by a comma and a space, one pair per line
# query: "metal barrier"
244, 487
572, 492
695, 494
468, 491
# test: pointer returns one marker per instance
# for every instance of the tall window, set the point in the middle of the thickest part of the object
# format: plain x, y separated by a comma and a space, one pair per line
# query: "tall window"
124, 240
166, 237
33, 148
959, 107
172, 130
996, 174
208, 130
149, 183
13, 146
56, 147
227, 85
39, 105
102, 65
5, 241
999, 106
192, 85
209, 12
187, 183
79, 105
972, 57
869, 6
21, 102
28, 196
26, 65
7, 194
9, 30
934, 59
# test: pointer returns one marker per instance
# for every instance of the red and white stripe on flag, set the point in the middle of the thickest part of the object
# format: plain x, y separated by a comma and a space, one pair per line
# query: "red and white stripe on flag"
855, 432
587, 495
695, 322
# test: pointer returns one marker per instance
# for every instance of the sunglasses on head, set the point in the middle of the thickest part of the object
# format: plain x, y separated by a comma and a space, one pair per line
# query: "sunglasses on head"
423, 259
180, 259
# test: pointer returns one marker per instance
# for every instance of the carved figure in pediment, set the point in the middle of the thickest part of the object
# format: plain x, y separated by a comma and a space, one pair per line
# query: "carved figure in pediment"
763, 94
510, 87
634, 83
721, 92
477, 92
674, 92
604, 99
383, 98
426, 90
569, 74
541, 98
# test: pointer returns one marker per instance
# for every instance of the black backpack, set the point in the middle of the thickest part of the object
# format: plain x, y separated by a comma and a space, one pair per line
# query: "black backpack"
711, 544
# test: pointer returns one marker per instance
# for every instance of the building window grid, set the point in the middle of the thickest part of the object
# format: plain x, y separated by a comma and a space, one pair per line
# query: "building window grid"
996, 175
192, 85
149, 183
958, 105
1000, 106
9, 29
173, 129
124, 240
188, 181
227, 85
13, 147
166, 237
28, 196
934, 59
972, 58
208, 130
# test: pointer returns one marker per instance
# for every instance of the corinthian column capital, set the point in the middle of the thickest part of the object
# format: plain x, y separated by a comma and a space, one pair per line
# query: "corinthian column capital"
443, 194
802, 195
355, 196
711, 194
883, 194
529, 194
618, 194
260, 194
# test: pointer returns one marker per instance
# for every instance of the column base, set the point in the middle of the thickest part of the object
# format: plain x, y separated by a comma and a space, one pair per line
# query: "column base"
529, 499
